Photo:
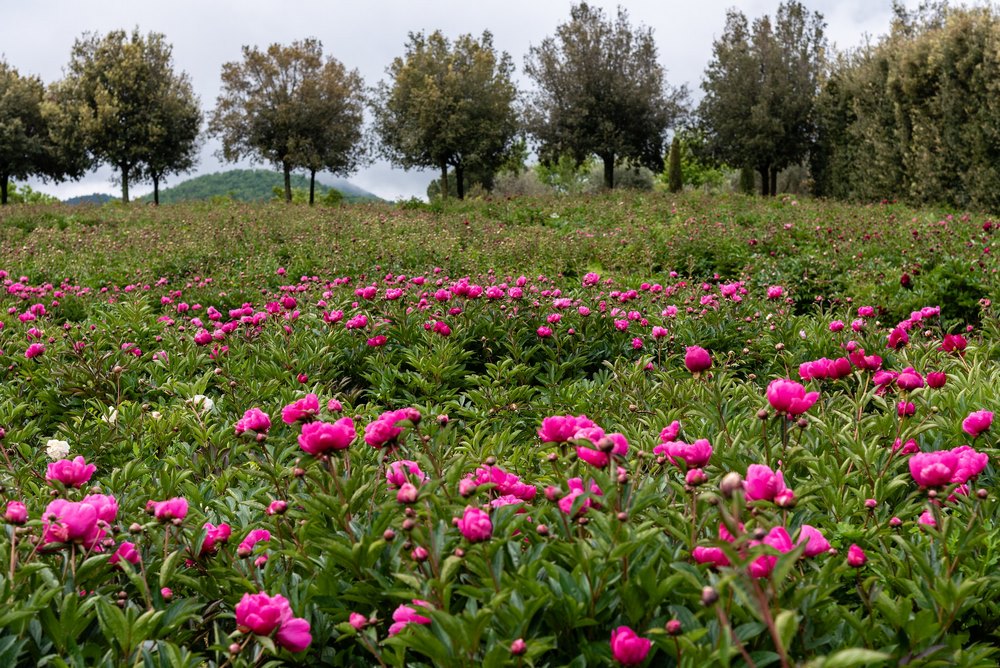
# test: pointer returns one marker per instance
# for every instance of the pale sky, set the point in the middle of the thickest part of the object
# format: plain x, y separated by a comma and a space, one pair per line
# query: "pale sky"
36, 38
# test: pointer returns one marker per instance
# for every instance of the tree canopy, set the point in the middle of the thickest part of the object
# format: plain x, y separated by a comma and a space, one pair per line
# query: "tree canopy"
448, 105
760, 90
288, 107
128, 107
600, 91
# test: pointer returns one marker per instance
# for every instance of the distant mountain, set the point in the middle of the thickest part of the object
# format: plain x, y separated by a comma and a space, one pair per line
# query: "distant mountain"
252, 185
95, 198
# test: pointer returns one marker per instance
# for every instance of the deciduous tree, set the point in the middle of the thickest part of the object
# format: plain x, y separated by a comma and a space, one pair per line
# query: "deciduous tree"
124, 96
289, 107
601, 91
448, 105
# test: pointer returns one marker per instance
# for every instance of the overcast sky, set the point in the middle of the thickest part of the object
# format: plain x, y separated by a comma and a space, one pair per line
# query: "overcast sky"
36, 37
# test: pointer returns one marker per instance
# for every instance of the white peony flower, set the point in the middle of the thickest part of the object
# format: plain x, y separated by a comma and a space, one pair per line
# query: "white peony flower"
57, 449
202, 403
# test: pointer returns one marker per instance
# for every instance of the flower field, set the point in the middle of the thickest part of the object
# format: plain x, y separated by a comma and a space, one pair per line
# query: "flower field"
621, 430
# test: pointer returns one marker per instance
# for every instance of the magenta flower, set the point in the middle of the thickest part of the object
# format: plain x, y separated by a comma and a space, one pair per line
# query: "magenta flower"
694, 455
762, 483
670, 432
263, 615
16, 512
778, 538
576, 489
71, 522
318, 438
600, 458
214, 537
247, 545
506, 484
475, 525
905, 409
897, 339
856, 557
944, 467
254, 420
908, 379
405, 615
697, 359
936, 379
125, 552
71, 473
628, 648
561, 428
790, 398
105, 505
953, 343
710, 555
816, 544
171, 509
303, 410
975, 424
34, 350
403, 471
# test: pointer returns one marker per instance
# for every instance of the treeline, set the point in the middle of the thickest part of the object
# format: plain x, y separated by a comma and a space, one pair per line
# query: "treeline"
913, 115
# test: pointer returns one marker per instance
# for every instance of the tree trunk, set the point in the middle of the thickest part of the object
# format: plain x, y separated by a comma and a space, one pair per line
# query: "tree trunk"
609, 170
288, 182
4, 182
312, 186
460, 181
774, 181
156, 189
444, 180
125, 171
765, 181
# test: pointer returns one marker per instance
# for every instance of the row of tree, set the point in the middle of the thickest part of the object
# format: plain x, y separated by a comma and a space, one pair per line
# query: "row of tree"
914, 114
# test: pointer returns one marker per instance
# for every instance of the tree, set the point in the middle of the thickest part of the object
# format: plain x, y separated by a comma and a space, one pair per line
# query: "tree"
28, 124
331, 116
122, 93
600, 91
23, 132
760, 90
173, 140
448, 106
675, 179
288, 107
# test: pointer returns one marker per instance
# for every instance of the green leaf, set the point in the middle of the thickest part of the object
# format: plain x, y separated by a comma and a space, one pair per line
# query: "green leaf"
855, 656
786, 623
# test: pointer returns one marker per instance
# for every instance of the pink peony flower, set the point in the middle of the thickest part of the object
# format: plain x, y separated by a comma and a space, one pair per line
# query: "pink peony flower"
71, 473
254, 420
247, 545
171, 509
263, 615
710, 555
34, 350
16, 512
944, 467
790, 398
405, 615
627, 648
506, 484
303, 410
318, 438
383, 430
694, 455
400, 472
856, 557
697, 359
936, 379
71, 522
670, 432
475, 525
125, 552
576, 489
908, 379
600, 458
561, 428
214, 536
762, 483
816, 544
975, 424
777, 538
105, 505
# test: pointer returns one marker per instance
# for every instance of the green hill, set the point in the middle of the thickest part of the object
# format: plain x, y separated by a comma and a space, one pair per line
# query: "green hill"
251, 185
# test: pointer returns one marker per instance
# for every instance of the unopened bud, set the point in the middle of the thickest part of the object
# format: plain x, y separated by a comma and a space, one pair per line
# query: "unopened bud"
731, 483
709, 596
